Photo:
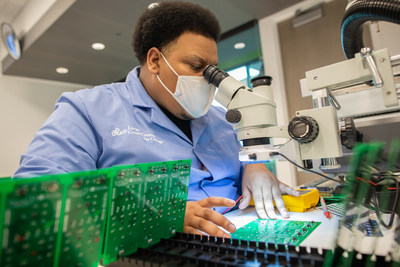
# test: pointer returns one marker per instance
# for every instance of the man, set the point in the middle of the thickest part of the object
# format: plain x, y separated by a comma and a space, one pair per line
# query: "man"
162, 112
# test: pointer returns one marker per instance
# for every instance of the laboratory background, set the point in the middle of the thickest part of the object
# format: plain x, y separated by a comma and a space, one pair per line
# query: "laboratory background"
59, 46
282, 39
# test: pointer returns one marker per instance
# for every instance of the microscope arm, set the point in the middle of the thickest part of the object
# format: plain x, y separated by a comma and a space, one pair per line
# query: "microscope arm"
366, 66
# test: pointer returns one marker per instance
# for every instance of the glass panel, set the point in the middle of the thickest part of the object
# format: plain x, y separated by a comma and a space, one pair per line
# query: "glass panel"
239, 74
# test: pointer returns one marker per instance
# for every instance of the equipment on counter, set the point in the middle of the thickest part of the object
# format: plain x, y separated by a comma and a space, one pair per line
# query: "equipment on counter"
363, 240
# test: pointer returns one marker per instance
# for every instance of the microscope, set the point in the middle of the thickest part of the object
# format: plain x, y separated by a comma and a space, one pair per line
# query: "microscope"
315, 132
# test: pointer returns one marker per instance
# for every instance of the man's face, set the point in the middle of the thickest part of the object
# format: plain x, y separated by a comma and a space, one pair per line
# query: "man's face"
188, 56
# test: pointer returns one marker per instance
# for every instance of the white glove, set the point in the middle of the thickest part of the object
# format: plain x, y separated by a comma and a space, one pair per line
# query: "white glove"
265, 187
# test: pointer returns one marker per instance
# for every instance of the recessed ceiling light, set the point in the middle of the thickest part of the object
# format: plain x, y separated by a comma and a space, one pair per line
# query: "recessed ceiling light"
62, 70
152, 5
239, 45
98, 46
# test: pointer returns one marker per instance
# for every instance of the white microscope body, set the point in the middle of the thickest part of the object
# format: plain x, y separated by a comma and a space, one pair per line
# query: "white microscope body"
316, 131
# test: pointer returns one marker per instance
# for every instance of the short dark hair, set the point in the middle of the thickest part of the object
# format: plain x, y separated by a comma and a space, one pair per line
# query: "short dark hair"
163, 23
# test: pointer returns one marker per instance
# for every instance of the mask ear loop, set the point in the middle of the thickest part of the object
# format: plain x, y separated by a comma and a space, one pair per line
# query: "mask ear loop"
166, 61
158, 77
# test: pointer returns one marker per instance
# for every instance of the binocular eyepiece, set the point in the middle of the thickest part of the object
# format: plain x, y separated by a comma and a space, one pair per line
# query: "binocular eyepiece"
214, 75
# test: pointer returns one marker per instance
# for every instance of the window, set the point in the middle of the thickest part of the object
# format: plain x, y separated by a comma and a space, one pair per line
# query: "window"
240, 53
246, 72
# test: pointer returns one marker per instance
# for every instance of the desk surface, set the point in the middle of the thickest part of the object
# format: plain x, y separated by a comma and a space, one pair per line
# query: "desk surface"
324, 236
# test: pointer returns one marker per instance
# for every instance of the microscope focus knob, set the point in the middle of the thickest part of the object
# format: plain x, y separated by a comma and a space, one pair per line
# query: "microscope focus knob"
233, 116
349, 135
303, 129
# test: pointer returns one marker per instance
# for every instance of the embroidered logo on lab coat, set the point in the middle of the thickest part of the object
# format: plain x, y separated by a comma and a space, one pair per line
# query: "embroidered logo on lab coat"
131, 130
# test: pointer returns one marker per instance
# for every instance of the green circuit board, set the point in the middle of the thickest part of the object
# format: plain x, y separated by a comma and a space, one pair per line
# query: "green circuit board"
92, 217
30, 217
276, 231
84, 219
147, 204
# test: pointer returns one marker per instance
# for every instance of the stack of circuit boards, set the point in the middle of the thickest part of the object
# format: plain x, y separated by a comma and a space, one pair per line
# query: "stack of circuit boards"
91, 218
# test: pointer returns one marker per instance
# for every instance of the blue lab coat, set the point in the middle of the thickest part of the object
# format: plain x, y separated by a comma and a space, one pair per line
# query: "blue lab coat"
119, 124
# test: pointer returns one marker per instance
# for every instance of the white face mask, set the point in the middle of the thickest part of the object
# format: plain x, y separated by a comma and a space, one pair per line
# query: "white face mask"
193, 93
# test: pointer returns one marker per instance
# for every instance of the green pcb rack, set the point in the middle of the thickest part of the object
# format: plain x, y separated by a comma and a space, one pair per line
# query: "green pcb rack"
369, 232
92, 217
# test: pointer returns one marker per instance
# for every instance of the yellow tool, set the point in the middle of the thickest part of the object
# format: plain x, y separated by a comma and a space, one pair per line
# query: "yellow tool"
308, 198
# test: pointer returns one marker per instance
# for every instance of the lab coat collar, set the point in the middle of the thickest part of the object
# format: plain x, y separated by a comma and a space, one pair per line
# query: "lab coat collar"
139, 95
140, 98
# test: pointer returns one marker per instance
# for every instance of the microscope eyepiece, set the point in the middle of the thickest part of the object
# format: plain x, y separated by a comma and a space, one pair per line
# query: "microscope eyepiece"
214, 75
261, 80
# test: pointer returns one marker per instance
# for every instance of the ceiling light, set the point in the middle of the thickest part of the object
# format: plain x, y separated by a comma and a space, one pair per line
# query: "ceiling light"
239, 45
62, 70
152, 5
98, 46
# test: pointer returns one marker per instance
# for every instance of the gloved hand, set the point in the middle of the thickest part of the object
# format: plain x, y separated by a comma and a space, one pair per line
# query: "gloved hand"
265, 187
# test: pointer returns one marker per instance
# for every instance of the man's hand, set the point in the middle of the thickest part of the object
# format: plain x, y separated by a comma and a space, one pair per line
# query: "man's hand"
265, 187
199, 216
